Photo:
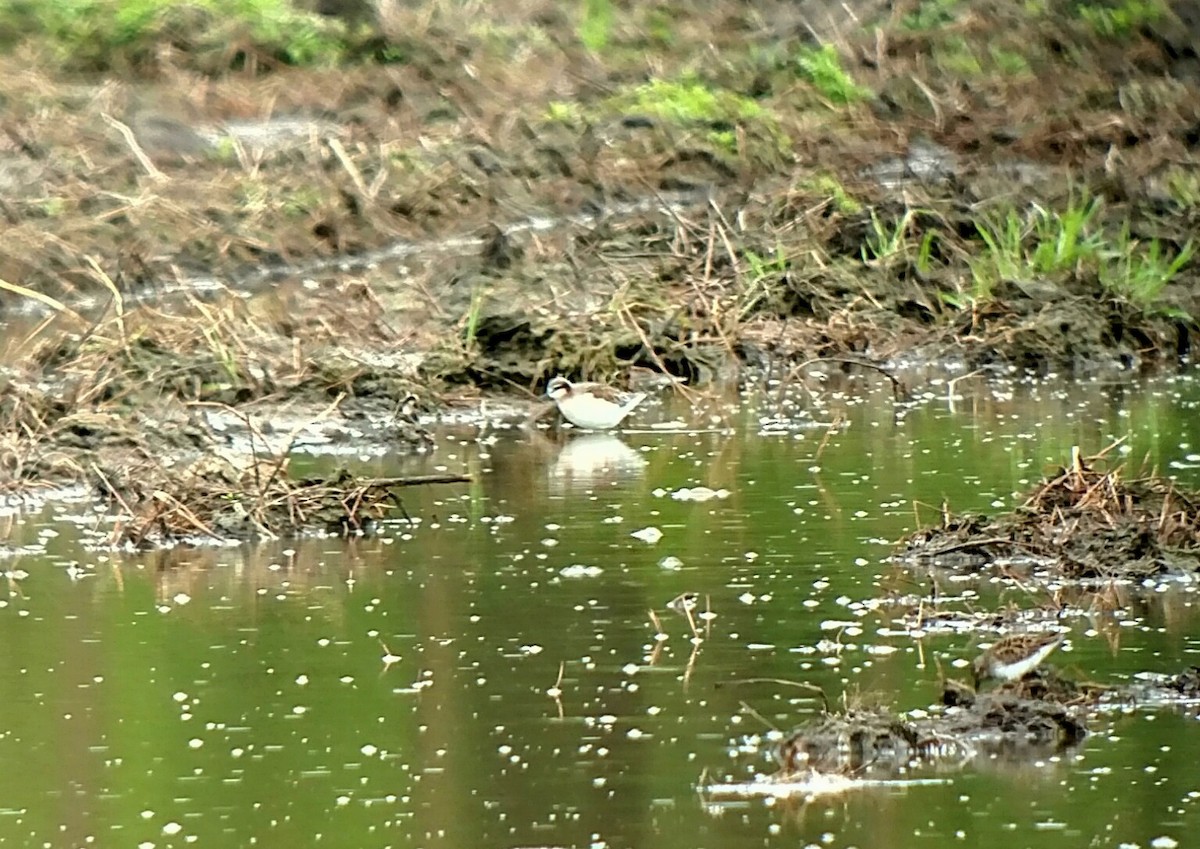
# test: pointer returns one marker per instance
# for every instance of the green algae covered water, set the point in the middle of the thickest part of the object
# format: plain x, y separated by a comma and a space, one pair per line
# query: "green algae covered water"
509, 670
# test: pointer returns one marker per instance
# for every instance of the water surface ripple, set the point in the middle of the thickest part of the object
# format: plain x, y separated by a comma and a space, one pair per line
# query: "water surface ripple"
493, 675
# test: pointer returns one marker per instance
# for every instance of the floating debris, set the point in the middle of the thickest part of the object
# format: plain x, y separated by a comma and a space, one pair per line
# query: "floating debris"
684, 603
699, 493
578, 570
649, 535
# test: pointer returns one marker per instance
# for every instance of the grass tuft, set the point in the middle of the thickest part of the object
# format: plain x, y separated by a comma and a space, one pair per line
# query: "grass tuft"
103, 34
1140, 272
1043, 244
1120, 19
823, 68
930, 14
690, 101
596, 27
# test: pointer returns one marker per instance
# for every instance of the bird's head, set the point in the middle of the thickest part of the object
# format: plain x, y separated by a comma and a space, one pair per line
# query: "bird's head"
558, 388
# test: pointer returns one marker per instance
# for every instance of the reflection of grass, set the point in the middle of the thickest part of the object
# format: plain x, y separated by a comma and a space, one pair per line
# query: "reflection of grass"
823, 68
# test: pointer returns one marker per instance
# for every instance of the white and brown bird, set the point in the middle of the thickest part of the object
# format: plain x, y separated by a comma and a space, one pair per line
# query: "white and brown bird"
1012, 658
592, 406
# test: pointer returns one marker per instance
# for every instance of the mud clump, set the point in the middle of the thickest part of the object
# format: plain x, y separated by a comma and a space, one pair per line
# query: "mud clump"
1007, 721
1186, 683
875, 744
1089, 521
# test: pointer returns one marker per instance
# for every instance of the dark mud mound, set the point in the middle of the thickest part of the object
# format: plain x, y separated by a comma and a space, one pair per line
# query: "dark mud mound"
874, 744
1004, 722
1090, 520
862, 743
510, 349
1186, 683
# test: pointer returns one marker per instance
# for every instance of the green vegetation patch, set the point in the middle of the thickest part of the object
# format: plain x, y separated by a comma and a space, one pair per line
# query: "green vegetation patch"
683, 102
100, 34
823, 68
958, 58
596, 27
1183, 186
1140, 272
931, 14
1035, 246
829, 186
1115, 20
690, 101
1048, 247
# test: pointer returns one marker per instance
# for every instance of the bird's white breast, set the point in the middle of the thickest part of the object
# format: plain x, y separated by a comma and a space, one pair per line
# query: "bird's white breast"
588, 411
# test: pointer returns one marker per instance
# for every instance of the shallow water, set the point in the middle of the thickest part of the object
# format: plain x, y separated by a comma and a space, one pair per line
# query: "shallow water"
405, 690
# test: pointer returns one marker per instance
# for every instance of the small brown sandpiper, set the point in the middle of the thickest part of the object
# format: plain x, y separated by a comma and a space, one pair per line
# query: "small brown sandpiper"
1013, 657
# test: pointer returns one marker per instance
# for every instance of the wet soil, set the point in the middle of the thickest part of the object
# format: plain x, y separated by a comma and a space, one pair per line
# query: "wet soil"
487, 124
1039, 716
876, 744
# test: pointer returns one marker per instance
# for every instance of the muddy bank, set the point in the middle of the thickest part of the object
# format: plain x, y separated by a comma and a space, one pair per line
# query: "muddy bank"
465, 206
778, 197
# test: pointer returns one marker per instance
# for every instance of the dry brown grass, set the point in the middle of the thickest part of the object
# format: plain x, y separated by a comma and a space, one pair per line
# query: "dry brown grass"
1091, 520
